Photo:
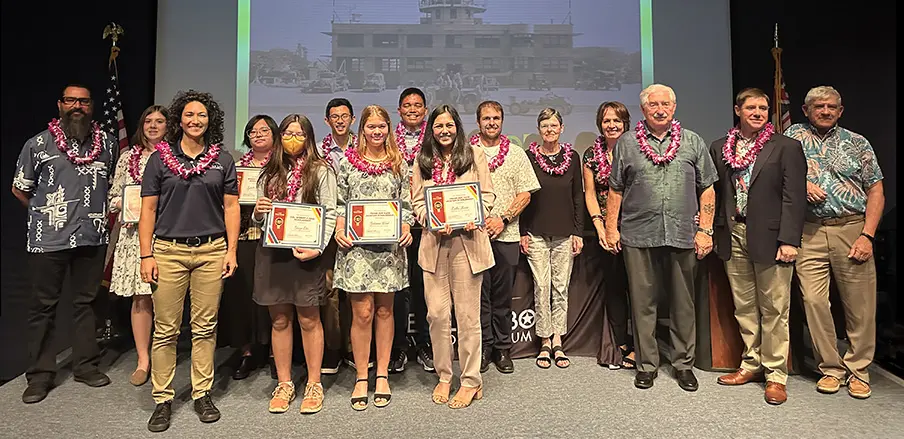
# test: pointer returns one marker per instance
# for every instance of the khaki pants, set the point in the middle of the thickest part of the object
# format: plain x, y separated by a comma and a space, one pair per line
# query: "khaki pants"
550, 261
181, 268
762, 299
453, 284
825, 247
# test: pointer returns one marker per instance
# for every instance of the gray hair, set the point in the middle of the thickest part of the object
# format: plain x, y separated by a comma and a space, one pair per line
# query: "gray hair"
549, 113
821, 92
654, 88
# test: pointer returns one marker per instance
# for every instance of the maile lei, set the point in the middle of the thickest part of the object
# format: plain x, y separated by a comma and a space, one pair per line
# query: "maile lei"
363, 165
60, 138
640, 133
248, 159
603, 166
504, 144
742, 162
166, 155
409, 154
328, 143
543, 161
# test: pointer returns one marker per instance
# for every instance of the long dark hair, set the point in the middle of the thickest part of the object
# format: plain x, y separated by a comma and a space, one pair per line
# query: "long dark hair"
462, 155
139, 138
214, 132
274, 130
275, 174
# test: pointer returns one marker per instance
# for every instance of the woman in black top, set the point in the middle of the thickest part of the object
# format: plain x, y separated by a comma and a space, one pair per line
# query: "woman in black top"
189, 211
551, 228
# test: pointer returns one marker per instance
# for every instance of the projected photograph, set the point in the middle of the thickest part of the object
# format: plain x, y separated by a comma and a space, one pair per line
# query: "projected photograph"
525, 54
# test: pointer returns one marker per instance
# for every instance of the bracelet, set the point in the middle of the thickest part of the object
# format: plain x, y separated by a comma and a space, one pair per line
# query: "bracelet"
597, 217
872, 239
145, 257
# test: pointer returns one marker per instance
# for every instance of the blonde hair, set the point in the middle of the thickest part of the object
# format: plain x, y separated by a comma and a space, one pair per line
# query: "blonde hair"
391, 147
654, 88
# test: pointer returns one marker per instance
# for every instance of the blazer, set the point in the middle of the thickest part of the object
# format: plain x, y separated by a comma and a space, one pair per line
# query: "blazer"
477, 242
776, 199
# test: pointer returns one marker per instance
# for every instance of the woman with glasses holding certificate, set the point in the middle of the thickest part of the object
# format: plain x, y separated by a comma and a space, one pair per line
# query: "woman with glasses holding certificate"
372, 229
455, 248
292, 279
125, 198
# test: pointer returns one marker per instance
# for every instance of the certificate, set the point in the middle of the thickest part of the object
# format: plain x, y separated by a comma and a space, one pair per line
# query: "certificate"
247, 179
373, 221
454, 204
292, 225
131, 203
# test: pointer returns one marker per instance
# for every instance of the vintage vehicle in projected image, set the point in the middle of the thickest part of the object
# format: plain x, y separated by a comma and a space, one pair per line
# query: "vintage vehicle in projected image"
374, 82
552, 100
538, 81
464, 99
598, 80
328, 82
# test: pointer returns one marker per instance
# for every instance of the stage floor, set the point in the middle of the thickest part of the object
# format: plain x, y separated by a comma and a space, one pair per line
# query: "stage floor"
585, 400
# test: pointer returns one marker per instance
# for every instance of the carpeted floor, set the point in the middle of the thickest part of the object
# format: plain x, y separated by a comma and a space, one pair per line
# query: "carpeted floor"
584, 400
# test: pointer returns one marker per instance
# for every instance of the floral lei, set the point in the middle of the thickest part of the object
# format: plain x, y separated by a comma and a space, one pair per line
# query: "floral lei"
363, 165
166, 155
60, 138
438, 177
603, 166
728, 150
407, 154
248, 159
294, 179
504, 144
135, 162
543, 161
640, 133
328, 142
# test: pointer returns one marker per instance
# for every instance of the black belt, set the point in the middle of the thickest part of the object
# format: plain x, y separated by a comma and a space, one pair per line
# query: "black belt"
740, 219
193, 241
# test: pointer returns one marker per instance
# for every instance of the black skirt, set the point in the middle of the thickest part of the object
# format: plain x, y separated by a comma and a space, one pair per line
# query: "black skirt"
241, 321
280, 278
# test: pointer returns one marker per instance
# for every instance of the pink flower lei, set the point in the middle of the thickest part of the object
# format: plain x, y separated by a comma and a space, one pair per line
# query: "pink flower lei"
601, 158
729, 152
363, 165
166, 155
543, 161
60, 138
438, 177
328, 142
248, 159
499, 159
294, 179
407, 154
135, 162
640, 133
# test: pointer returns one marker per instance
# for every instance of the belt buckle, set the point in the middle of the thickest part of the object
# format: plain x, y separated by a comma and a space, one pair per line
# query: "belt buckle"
191, 241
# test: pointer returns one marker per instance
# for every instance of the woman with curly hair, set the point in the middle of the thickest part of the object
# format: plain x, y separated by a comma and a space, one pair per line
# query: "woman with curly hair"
188, 235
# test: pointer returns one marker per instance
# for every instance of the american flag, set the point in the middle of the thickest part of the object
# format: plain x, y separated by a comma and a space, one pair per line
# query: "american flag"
112, 120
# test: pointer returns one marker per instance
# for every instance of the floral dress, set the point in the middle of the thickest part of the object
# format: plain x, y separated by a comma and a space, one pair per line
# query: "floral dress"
126, 279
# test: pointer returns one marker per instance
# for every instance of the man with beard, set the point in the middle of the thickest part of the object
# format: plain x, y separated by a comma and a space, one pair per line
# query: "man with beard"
340, 117
846, 199
657, 174
409, 134
62, 178
761, 199
513, 181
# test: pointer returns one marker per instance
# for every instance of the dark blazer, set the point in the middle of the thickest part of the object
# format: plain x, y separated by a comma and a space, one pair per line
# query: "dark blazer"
776, 199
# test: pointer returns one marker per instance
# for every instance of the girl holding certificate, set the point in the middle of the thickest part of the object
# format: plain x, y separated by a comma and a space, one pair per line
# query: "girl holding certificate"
453, 261
294, 281
126, 280
371, 273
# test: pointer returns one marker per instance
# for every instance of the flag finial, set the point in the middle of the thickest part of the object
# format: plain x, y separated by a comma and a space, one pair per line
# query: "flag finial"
113, 31
775, 36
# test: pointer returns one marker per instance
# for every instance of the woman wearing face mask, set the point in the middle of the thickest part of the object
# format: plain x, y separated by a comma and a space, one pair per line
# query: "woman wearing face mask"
245, 325
551, 228
189, 230
611, 119
371, 274
294, 281
126, 280
453, 261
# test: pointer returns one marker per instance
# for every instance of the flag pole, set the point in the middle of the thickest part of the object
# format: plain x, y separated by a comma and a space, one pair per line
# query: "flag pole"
113, 31
777, 86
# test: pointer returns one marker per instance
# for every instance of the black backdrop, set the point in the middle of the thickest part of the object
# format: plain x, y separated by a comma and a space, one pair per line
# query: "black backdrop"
48, 44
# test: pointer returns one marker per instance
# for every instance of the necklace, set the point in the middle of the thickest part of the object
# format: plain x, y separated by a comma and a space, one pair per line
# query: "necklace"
640, 133
545, 163
60, 138
729, 152
166, 154
409, 154
499, 159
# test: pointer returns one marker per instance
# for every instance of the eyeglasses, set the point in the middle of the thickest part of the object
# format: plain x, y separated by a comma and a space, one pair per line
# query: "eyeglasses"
337, 117
548, 127
69, 100
259, 133
287, 135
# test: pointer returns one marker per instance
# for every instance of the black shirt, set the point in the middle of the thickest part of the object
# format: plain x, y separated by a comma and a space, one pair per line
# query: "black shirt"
557, 209
194, 206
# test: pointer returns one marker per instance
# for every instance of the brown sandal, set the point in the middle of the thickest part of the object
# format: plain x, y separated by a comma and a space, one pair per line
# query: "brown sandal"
441, 398
460, 403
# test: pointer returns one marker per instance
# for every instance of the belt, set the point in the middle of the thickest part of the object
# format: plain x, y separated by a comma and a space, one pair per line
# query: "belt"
192, 241
740, 219
836, 221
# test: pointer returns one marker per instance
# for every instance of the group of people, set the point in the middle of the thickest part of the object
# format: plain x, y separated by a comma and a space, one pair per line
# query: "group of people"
658, 197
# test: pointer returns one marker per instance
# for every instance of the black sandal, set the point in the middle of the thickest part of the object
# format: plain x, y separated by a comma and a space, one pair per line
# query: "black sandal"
359, 399
547, 359
558, 358
386, 396
627, 363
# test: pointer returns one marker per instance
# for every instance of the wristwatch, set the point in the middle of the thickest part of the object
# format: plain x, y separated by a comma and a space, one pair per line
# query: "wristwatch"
706, 231
505, 220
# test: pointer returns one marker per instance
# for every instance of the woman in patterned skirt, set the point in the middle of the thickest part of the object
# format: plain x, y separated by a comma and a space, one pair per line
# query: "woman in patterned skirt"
371, 273
126, 281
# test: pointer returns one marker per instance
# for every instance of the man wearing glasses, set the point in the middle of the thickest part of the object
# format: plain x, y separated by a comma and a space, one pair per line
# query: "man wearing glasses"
62, 177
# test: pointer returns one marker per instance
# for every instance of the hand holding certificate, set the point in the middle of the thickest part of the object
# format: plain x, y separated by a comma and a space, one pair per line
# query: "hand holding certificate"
458, 206
295, 225
131, 203
247, 182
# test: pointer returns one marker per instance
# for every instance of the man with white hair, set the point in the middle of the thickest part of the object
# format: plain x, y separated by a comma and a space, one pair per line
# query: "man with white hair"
845, 202
657, 174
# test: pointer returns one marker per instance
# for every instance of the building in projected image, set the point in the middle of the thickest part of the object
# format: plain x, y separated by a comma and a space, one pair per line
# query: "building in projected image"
452, 49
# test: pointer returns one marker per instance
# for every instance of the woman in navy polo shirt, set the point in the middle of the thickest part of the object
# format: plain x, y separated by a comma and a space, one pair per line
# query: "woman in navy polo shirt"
189, 212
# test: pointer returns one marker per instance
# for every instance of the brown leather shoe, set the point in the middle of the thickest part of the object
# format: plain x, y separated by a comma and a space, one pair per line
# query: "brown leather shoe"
828, 384
775, 393
741, 376
858, 388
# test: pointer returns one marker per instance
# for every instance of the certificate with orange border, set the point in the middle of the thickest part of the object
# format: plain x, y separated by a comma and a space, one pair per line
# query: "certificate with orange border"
373, 221
291, 225
454, 204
